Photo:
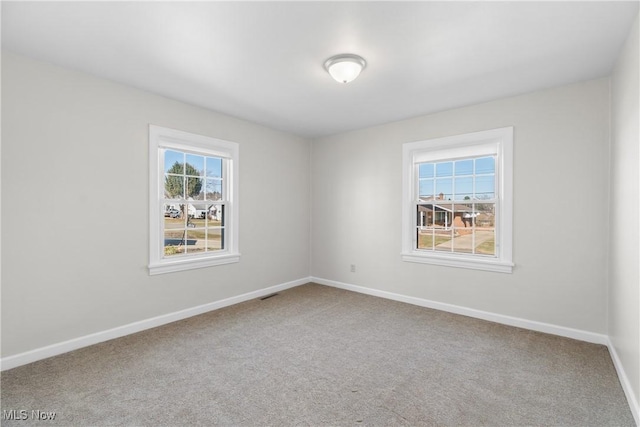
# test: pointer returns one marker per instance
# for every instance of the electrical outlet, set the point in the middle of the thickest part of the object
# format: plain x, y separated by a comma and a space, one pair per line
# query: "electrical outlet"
353, 268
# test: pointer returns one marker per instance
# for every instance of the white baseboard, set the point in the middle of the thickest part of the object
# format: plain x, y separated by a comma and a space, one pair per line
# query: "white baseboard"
624, 381
479, 314
506, 320
98, 337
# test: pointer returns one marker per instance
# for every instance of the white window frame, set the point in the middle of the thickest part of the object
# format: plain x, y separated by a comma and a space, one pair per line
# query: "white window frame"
160, 139
498, 142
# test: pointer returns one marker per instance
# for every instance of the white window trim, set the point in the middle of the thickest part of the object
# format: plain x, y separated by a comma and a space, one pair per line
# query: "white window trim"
501, 140
159, 138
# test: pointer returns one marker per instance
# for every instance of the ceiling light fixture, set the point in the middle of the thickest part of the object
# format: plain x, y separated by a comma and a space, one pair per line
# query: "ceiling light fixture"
345, 67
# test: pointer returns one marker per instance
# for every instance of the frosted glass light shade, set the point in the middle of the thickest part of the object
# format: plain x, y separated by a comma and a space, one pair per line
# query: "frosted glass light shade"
345, 68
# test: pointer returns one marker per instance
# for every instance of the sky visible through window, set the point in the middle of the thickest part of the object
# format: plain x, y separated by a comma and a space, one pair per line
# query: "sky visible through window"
465, 179
209, 170
214, 164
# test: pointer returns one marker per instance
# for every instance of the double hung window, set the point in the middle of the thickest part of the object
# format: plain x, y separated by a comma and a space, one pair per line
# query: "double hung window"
193, 203
457, 208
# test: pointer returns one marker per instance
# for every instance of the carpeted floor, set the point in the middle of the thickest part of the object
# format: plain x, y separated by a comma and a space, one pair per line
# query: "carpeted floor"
318, 356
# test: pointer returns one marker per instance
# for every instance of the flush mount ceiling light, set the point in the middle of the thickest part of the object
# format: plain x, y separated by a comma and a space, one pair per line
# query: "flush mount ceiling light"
345, 67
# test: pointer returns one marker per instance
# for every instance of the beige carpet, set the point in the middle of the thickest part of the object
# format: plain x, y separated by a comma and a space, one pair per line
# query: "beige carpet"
318, 356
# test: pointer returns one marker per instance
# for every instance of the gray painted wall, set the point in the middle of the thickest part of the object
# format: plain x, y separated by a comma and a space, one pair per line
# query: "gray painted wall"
624, 276
75, 206
561, 146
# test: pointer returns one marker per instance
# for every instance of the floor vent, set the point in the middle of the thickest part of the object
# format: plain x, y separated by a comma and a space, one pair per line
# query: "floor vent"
268, 296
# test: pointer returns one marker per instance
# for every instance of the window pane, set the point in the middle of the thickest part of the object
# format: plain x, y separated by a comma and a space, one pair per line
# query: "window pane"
196, 189
172, 211
485, 242
462, 215
199, 221
444, 189
196, 240
466, 214
424, 215
190, 170
215, 239
173, 219
173, 242
442, 240
485, 165
443, 214
463, 242
214, 167
215, 216
464, 167
444, 169
485, 215
173, 162
174, 186
463, 233
485, 187
195, 165
426, 188
464, 188
425, 239
214, 189
426, 170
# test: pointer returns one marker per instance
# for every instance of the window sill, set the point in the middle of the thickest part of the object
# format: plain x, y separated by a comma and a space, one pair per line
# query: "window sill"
171, 266
494, 265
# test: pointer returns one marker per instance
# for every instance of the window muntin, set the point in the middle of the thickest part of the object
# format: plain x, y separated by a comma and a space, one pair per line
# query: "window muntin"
193, 201
193, 186
457, 207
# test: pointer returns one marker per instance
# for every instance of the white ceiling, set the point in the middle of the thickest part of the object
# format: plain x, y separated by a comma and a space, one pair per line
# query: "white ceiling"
264, 61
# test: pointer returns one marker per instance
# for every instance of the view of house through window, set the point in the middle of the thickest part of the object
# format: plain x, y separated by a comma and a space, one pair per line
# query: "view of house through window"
193, 203
194, 208
457, 195
456, 206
